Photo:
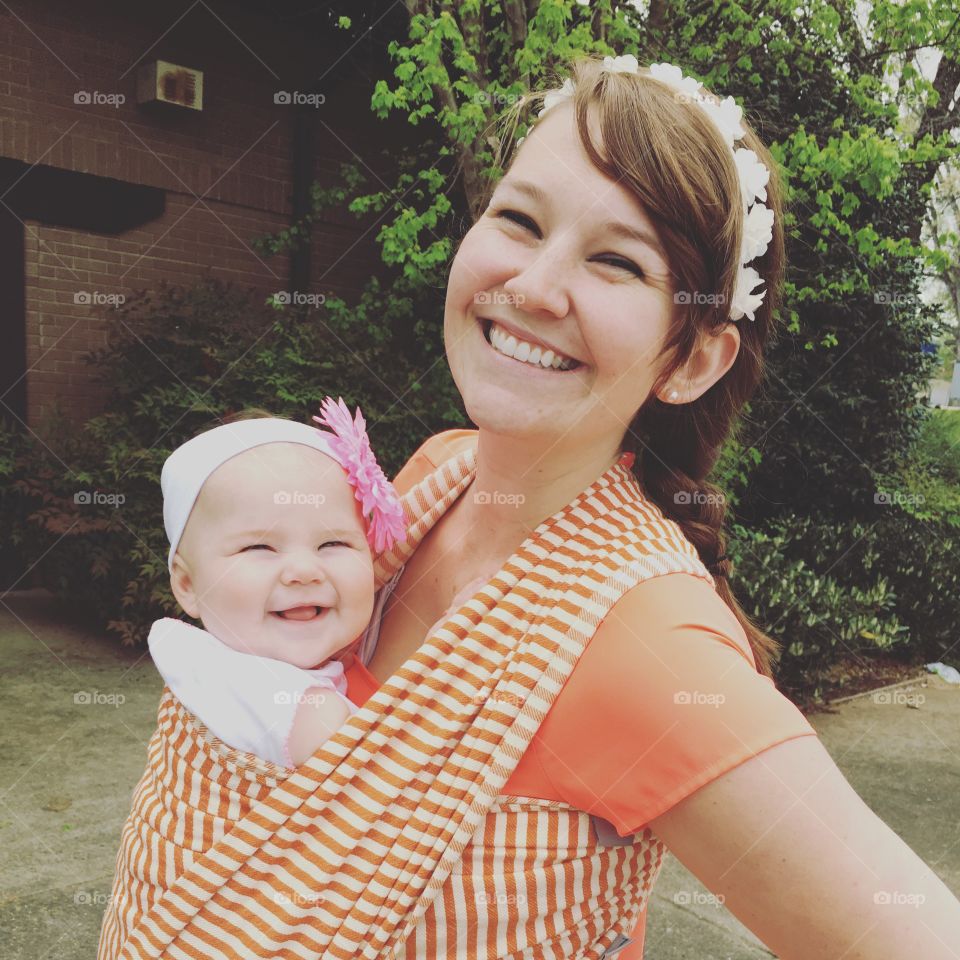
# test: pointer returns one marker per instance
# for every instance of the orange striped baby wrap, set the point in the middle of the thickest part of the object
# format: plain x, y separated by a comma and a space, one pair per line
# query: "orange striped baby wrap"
393, 840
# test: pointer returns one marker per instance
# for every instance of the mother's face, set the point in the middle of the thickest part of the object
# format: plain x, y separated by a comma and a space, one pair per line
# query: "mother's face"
551, 258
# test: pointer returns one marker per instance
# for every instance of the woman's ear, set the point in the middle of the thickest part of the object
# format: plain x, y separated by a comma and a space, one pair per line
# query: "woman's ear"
181, 583
712, 358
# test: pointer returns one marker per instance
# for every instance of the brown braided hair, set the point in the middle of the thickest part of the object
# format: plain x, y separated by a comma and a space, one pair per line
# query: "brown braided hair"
668, 153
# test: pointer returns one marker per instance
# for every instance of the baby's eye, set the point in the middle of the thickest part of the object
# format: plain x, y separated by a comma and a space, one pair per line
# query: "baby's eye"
257, 546
334, 543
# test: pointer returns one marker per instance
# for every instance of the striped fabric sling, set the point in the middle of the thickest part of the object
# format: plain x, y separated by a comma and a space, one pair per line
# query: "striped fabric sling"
393, 841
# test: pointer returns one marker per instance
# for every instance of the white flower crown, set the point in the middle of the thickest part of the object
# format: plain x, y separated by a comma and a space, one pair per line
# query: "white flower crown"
727, 116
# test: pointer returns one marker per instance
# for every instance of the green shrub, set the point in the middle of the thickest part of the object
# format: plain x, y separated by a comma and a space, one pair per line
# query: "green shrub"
89, 516
827, 588
928, 484
785, 578
14, 571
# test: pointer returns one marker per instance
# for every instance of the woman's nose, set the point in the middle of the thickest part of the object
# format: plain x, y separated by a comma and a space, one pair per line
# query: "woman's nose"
540, 284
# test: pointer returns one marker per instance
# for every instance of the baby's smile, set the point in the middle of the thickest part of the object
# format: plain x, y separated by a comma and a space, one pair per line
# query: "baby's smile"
304, 613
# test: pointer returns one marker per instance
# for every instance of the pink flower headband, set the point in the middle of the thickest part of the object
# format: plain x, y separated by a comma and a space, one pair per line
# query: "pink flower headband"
186, 469
349, 441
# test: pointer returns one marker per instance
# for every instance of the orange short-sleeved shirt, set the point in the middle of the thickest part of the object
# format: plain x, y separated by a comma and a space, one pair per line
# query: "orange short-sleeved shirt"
664, 698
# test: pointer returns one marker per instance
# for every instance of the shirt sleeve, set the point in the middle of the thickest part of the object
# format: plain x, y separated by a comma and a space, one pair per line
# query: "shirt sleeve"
665, 698
430, 454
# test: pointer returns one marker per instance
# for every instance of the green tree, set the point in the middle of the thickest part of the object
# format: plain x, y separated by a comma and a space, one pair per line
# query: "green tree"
859, 131
828, 93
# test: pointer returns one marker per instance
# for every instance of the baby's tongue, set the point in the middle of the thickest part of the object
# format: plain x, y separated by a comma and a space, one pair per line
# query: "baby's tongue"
300, 613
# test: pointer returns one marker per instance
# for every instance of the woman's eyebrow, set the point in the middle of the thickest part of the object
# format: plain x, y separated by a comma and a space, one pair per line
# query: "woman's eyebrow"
619, 229
525, 186
616, 227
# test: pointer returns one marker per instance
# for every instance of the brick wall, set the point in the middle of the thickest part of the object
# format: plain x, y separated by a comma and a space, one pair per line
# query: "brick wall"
226, 172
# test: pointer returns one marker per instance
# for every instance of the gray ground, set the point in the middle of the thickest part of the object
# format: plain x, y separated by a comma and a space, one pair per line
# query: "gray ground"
78, 711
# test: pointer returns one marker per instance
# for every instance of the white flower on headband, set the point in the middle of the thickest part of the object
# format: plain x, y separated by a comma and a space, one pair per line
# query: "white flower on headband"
673, 76
553, 97
745, 302
757, 232
625, 64
727, 117
753, 175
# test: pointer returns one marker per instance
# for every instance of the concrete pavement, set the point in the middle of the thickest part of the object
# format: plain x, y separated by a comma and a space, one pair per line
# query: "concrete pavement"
78, 711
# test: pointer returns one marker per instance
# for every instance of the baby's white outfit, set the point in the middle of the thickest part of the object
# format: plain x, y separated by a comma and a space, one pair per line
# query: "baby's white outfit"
247, 701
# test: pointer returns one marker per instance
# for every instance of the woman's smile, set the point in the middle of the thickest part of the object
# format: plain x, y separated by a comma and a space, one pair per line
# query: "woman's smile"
520, 354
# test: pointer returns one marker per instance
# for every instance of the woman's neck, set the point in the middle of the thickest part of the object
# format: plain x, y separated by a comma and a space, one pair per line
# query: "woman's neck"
519, 484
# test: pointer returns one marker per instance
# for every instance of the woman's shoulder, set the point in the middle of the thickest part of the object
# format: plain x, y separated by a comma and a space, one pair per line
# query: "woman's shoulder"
665, 629
678, 601
431, 454
669, 686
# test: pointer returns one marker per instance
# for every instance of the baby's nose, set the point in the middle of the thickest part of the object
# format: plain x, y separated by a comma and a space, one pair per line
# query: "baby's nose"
302, 567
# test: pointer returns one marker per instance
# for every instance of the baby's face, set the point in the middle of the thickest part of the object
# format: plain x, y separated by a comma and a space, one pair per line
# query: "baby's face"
275, 533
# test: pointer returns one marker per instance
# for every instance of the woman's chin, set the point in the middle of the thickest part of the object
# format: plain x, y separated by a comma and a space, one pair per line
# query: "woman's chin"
507, 415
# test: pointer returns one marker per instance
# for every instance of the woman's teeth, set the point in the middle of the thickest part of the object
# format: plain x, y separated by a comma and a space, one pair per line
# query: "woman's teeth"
509, 346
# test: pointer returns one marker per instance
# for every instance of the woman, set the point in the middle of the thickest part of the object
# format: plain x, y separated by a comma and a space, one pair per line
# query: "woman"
760, 815
557, 685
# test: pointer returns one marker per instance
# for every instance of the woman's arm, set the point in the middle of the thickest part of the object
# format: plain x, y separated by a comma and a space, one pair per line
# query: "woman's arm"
806, 865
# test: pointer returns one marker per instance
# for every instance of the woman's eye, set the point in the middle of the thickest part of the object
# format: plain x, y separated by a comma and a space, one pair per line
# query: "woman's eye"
520, 218
622, 264
523, 220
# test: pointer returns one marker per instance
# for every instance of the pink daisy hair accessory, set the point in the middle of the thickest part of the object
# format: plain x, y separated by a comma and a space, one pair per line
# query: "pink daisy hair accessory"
386, 521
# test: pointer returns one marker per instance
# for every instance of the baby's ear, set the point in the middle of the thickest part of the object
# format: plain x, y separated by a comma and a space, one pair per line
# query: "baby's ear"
181, 583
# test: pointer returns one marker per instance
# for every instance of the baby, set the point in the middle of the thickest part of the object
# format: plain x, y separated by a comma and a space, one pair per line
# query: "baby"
271, 550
